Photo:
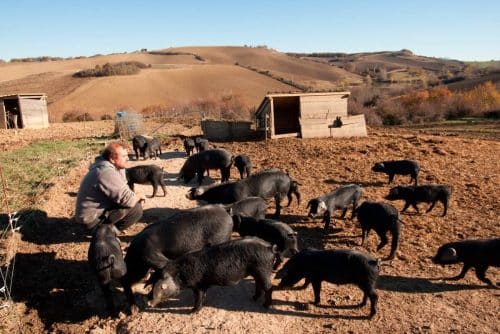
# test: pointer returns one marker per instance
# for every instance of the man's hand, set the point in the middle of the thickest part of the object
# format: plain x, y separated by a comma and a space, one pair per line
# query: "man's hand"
142, 199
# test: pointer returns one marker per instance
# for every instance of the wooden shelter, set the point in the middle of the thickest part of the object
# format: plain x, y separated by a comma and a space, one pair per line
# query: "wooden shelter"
24, 111
308, 115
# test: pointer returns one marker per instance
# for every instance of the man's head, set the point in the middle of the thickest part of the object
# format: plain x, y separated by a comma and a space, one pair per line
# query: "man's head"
116, 153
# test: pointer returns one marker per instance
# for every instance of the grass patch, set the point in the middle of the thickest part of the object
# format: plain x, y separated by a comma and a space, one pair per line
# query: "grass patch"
29, 171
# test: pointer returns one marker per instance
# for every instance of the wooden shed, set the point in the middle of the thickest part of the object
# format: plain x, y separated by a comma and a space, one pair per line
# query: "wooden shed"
24, 111
308, 115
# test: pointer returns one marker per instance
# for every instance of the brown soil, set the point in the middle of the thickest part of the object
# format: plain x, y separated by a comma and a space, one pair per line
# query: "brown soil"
54, 290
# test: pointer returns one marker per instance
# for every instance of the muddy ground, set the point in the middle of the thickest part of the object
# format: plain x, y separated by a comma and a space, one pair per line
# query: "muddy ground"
54, 290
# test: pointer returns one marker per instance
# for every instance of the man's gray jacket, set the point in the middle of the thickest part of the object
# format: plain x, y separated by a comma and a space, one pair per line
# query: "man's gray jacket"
104, 187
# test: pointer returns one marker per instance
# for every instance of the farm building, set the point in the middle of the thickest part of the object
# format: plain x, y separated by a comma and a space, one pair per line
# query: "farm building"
23, 111
308, 115
227, 130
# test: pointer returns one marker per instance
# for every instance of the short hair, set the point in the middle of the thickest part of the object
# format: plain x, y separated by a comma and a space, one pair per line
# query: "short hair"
111, 150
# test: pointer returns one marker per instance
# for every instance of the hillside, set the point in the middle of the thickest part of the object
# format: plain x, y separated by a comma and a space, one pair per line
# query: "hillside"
177, 78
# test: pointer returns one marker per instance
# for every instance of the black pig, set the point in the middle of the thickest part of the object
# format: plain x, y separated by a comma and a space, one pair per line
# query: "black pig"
140, 144
267, 184
244, 165
153, 147
106, 260
400, 167
201, 144
382, 218
224, 265
211, 159
337, 266
169, 238
340, 198
146, 174
477, 254
412, 195
189, 146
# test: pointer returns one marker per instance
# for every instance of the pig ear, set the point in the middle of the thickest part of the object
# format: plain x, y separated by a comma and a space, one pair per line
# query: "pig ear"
309, 204
451, 252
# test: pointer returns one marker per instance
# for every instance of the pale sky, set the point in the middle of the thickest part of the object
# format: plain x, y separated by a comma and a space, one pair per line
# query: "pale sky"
455, 29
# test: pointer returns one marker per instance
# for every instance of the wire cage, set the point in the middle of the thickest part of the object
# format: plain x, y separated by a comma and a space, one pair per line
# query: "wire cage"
128, 124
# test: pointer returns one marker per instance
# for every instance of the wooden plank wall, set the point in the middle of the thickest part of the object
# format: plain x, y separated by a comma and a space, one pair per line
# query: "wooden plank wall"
3, 116
34, 113
325, 107
353, 126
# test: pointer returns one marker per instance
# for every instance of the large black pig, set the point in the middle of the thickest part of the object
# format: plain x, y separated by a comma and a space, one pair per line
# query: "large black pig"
224, 264
382, 218
146, 174
167, 239
477, 254
106, 260
412, 195
268, 184
272, 231
340, 198
337, 266
399, 167
210, 159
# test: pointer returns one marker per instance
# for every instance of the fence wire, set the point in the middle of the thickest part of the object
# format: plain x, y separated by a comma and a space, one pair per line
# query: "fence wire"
8, 250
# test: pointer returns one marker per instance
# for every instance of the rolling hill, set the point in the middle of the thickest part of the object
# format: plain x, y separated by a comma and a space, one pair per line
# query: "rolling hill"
182, 77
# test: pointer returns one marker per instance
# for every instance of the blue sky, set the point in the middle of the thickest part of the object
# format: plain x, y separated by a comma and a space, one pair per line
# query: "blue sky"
464, 30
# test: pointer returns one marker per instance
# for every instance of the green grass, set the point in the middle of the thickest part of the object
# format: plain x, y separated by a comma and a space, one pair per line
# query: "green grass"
30, 170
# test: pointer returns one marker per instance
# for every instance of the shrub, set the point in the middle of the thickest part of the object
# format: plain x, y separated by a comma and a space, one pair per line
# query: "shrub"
76, 116
108, 69
106, 117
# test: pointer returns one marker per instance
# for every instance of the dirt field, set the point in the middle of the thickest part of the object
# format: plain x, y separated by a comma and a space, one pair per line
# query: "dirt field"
54, 290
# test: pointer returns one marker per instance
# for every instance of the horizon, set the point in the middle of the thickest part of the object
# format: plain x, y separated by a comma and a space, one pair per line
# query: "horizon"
440, 29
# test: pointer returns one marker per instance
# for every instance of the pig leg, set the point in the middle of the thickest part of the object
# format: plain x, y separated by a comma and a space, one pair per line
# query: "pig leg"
278, 198
258, 288
383, 240
373, 302
106, 290
225, 172
445, 205
391, 178
343, 213
155, 188
481, 274
414, 204
326, 219
317, 290
431, 207
364, 234
163, 188
199, 296
407, 205
464, 271
131, 186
